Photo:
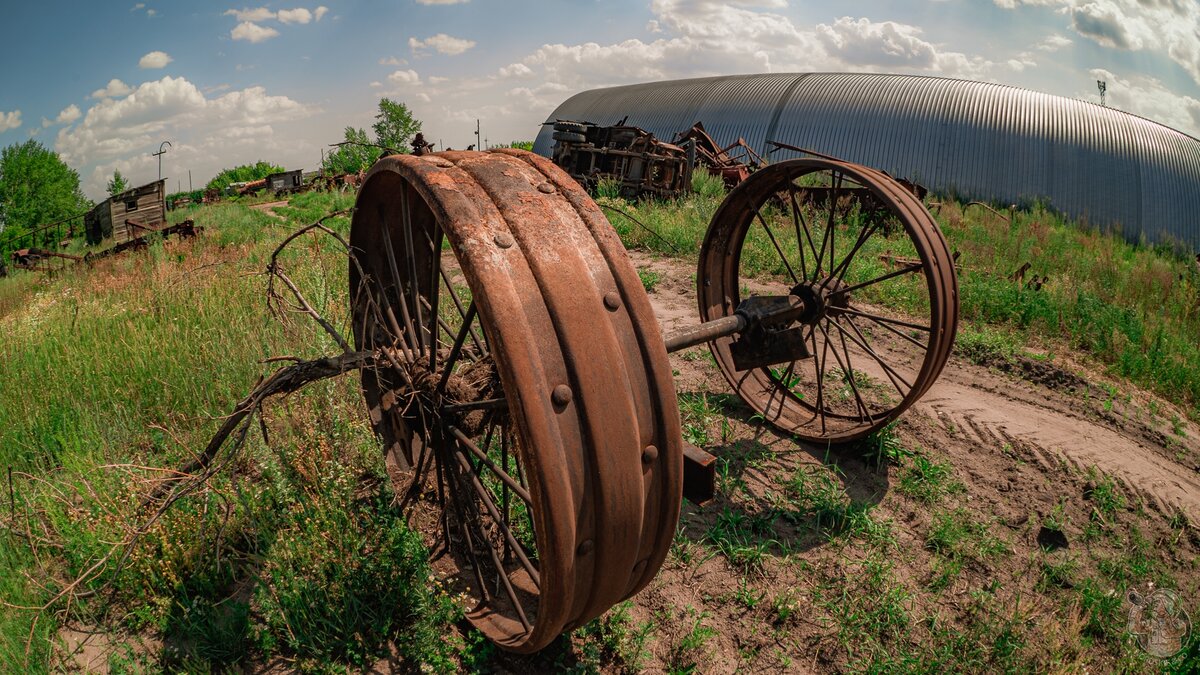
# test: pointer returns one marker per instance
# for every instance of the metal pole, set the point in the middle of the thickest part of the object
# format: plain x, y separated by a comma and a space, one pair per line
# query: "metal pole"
477, 146
159, 154
189, 180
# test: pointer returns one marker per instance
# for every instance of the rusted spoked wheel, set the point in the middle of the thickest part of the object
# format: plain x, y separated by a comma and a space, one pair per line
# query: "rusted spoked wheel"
878, 285
526, 403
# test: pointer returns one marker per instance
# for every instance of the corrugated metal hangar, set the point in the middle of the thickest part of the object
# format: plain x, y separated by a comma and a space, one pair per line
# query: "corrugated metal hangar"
976, 140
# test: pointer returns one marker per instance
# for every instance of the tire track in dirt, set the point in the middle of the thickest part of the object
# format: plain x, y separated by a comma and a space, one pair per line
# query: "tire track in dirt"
1050, 437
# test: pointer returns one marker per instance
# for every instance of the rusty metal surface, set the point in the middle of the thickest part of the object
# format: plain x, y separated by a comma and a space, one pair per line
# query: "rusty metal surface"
638, 162
699, 475
883, 359
547, 300
733, 163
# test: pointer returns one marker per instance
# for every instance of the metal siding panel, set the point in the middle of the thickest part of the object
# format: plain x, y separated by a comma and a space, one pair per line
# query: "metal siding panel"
742, 107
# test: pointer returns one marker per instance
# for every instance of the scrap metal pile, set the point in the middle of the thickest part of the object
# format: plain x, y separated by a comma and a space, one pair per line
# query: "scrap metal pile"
632, 157
640, 164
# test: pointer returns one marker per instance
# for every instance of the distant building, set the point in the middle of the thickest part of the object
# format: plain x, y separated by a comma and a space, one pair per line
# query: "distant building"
129, 214
975, 140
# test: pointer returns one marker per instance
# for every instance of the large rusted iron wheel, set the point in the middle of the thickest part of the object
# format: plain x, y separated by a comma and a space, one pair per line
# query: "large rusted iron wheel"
878, 285
527, 405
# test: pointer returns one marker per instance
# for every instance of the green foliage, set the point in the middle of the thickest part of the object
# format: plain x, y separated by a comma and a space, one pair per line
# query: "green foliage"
394, 129
243, 173
36, 188
649, 278
194, 195
357, 153
884, 447
117, 184
340, 584
394, 125
928, 481
520, 145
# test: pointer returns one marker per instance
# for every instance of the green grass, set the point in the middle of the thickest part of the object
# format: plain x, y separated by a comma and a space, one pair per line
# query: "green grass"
294, 550
927, 481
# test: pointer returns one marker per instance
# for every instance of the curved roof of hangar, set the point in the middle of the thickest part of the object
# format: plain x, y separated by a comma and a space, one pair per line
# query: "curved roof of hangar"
977, 140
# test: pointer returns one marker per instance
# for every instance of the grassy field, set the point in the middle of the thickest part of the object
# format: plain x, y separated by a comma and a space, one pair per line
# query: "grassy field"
295, 552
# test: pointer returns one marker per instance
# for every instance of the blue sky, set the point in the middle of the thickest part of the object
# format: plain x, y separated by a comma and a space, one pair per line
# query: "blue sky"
103, 83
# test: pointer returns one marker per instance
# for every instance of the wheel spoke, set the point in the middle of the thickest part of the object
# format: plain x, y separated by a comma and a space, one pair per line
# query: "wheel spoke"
458, 304
827, 236
877, 319
411, 257
470, 406
848, 374
490, 504
842, 268
867, 347
456, 350
821, 377
410, 334
775, 243
500, 473
895, 273
435, 264
463, 517
909, 338
887, 369
799, 222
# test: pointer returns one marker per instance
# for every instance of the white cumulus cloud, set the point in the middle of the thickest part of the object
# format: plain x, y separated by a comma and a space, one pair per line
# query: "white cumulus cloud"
441, 43
404, 77
154, 59
320, 12
119, 133
114, 89
256, 14
252, 32
298, 15
9, 120
1169, 27
68, 114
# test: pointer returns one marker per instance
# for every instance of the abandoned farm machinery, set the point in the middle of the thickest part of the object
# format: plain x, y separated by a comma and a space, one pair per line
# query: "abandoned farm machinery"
525, 395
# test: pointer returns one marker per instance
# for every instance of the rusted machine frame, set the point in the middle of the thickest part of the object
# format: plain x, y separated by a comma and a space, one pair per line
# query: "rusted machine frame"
588, 153
720, 161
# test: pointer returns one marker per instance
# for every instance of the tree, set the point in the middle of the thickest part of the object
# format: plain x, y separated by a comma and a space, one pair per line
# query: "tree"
355, 154
36, 189
118, 184
394, 125
242, 174
394, 129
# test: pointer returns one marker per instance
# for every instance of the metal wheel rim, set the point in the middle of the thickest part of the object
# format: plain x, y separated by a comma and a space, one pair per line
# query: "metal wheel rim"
544, 268
718, 292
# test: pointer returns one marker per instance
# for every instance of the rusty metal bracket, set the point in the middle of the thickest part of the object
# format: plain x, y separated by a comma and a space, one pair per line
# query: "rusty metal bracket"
699, 475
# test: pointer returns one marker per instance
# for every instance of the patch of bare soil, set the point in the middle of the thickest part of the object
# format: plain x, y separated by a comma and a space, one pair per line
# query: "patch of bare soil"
269, 208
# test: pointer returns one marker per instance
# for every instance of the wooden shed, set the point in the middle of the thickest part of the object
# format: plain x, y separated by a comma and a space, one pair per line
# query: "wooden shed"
127, 215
